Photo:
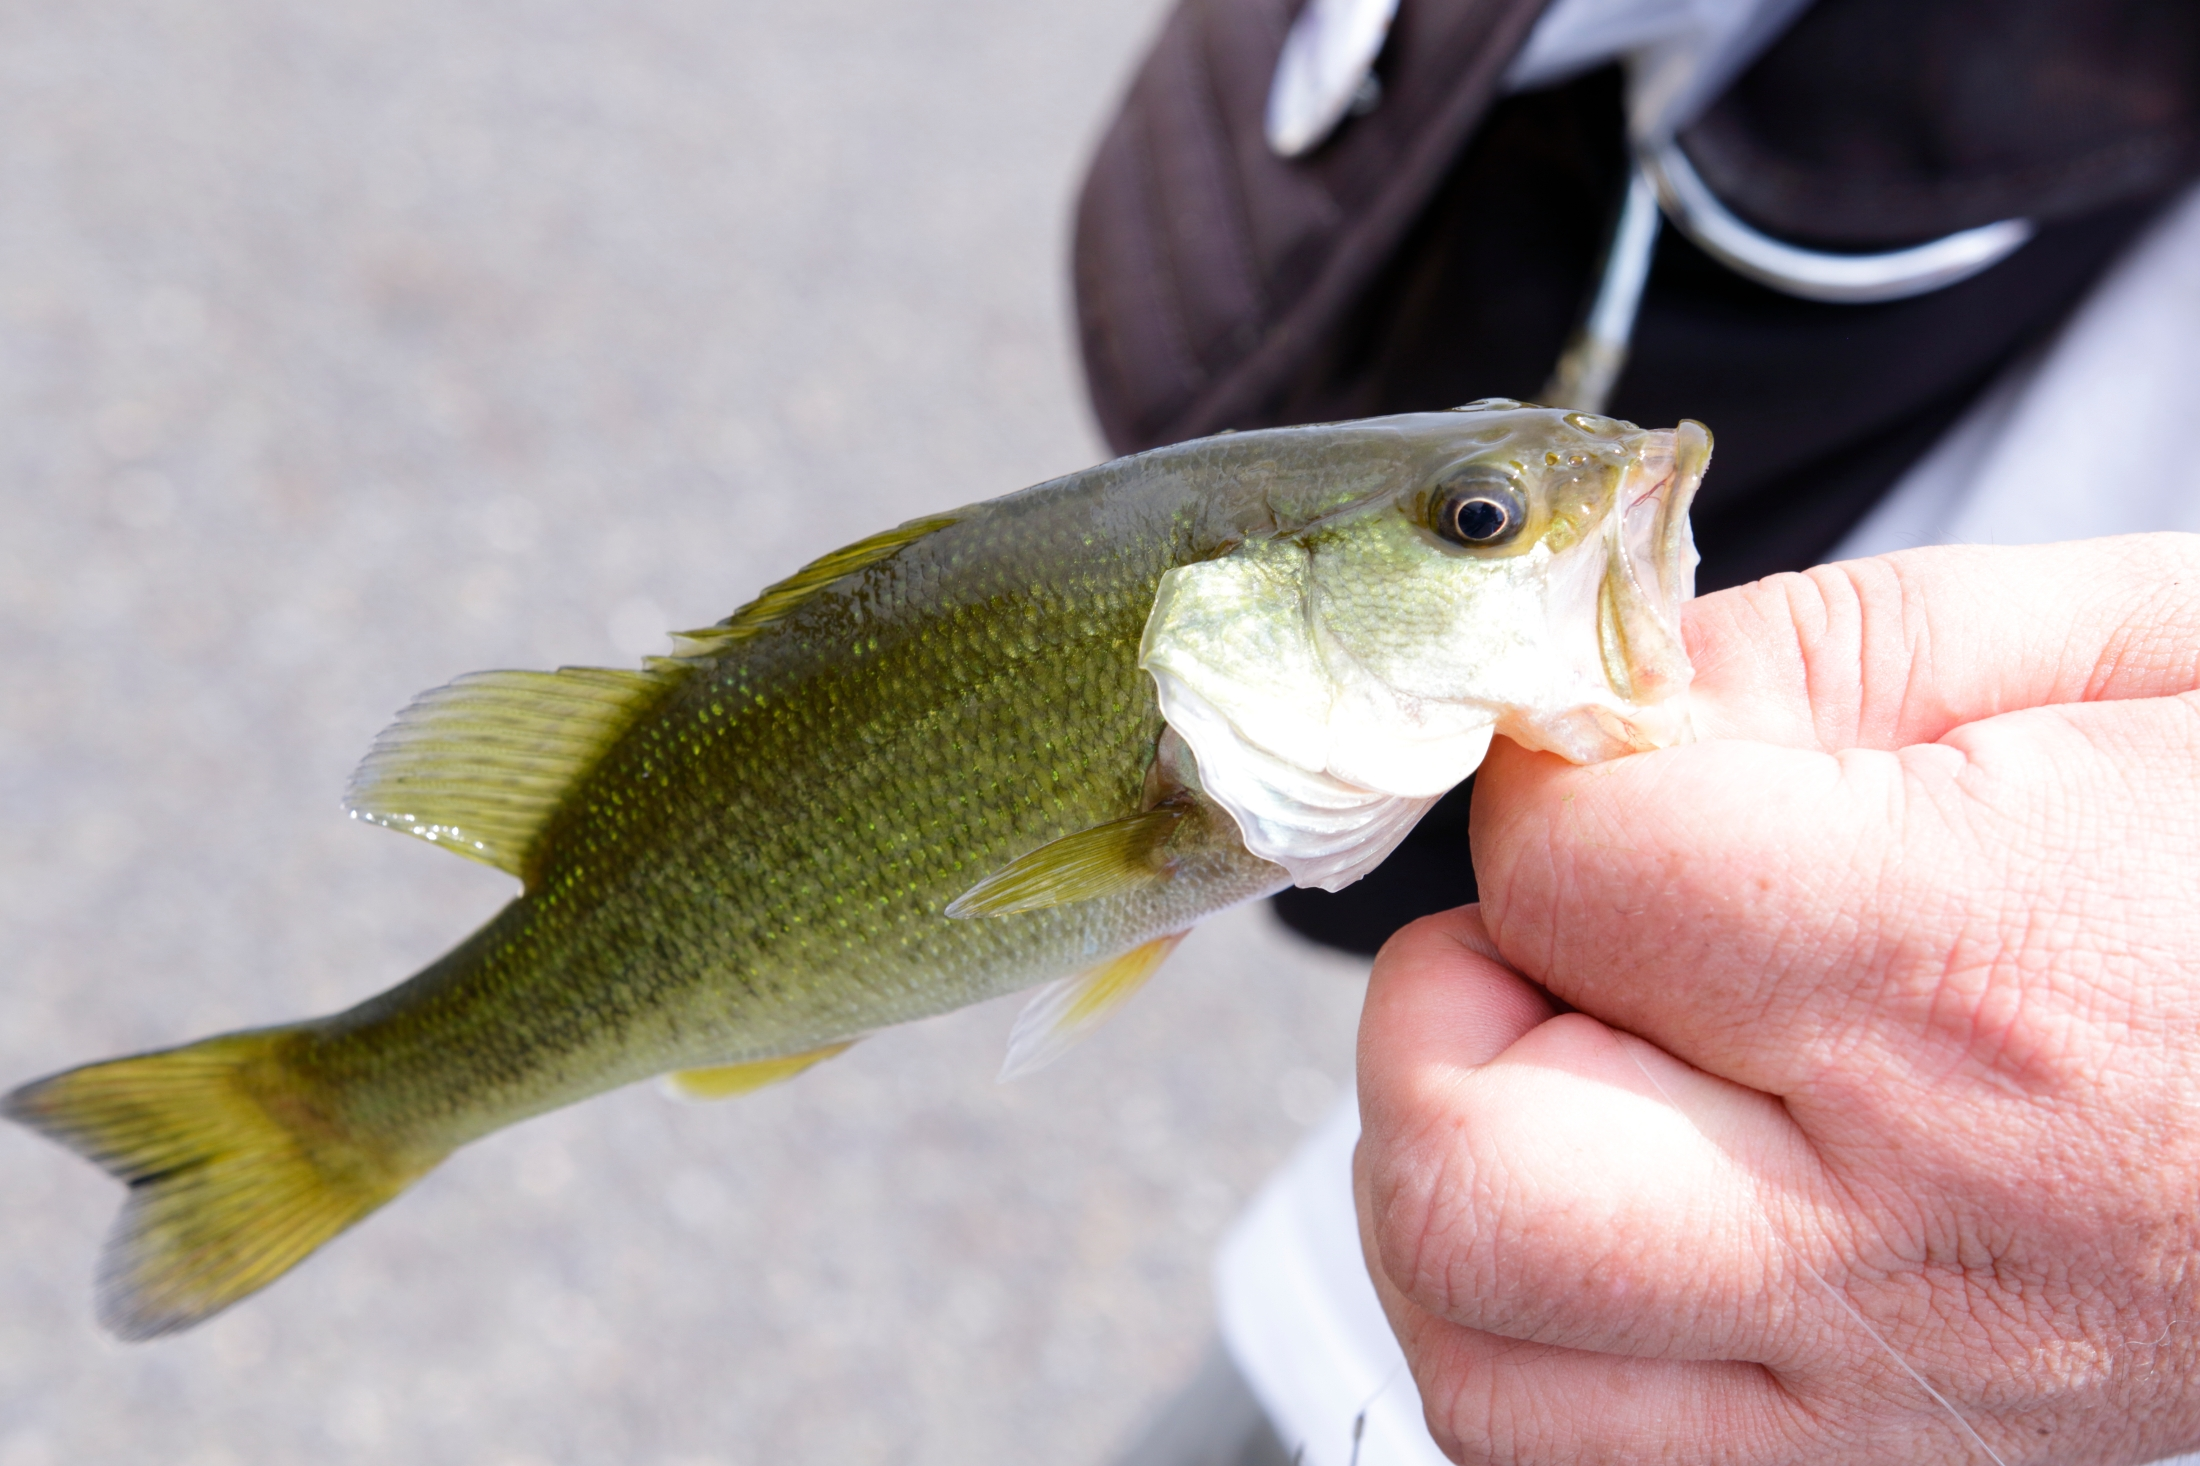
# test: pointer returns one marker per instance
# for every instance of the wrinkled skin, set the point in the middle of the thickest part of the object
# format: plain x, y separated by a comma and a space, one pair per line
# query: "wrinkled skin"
1888, 992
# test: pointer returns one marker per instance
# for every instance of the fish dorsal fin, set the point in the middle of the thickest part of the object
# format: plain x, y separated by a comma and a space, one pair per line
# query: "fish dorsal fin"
1066, 1010
480, 765
781, 599
724, 1081
1106, 860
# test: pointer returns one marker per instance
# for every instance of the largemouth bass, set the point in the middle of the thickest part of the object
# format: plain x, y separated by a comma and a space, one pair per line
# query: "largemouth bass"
1030, 741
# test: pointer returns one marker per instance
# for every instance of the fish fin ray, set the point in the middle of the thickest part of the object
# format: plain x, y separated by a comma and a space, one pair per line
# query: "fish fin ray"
779, 600
1063, 1012
233, 1180
1106, 860
724, 1081
480, 765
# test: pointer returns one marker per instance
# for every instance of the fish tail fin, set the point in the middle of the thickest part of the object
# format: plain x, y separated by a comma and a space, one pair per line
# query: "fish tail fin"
235, 1172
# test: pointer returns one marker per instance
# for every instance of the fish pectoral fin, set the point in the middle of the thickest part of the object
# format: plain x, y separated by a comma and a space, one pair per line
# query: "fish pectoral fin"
1106, 860
724, 1081
1064, 1011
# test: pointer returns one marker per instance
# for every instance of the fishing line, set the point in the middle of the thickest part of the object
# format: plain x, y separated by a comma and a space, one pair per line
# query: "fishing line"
1820, 1279
1359, 1421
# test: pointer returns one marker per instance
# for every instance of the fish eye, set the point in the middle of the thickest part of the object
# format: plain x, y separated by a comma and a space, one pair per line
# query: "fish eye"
1478, 509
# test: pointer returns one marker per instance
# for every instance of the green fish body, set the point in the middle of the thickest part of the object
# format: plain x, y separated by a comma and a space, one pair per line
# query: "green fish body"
928, 769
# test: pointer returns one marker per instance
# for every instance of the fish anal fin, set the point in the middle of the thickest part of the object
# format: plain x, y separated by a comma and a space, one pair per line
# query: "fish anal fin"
1106, 860
724, 1081
781, 599
480, 765
1066, 1010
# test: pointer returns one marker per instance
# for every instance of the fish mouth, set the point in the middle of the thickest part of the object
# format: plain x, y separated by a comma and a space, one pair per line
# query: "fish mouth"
1650, 570
1654, 523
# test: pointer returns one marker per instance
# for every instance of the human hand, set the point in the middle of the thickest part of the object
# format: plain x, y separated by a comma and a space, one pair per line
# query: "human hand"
1887, 1050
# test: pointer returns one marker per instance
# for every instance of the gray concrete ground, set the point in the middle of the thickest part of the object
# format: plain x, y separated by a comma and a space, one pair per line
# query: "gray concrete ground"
344, 348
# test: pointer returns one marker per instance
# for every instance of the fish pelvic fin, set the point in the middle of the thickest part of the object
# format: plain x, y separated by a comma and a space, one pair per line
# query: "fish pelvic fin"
1063, 1012
234, 1175
724, 1081
482, 765
1106, 860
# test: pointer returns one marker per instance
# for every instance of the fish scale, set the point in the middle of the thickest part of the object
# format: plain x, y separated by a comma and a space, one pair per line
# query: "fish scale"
713, 892
927, 769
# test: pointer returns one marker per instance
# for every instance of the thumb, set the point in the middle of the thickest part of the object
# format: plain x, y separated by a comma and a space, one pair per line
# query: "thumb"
1899, 649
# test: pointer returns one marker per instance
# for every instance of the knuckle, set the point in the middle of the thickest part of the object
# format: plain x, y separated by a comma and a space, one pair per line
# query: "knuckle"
1424, 1206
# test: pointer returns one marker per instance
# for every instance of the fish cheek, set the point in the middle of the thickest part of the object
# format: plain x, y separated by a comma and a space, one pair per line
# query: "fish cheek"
1429, 623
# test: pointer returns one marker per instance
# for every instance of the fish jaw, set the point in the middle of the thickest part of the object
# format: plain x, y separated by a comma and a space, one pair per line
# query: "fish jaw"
1625, 691
1650, 571
1652, 562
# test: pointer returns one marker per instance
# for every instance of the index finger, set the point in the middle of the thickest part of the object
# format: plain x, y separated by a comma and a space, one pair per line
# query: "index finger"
1900, 649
